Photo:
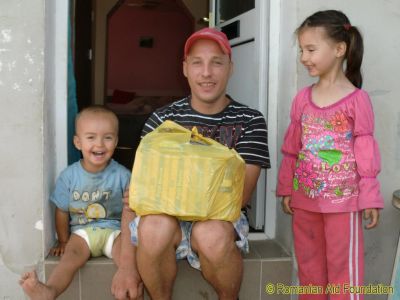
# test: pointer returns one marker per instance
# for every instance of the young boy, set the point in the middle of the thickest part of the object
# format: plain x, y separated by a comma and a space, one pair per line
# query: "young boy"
88, 199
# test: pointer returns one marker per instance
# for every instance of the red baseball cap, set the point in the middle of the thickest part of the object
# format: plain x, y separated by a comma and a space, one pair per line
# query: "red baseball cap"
209, 34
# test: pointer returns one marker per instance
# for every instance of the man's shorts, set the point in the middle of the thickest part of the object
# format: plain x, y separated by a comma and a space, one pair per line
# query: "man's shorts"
185, 250
99, 240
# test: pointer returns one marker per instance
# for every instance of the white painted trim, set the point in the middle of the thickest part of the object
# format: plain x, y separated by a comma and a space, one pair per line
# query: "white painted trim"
256, 236
211, 13
55, 153
272, 116
61, 83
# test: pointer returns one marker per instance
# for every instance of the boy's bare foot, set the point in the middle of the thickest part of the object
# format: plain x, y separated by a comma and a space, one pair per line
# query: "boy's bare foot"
34, 289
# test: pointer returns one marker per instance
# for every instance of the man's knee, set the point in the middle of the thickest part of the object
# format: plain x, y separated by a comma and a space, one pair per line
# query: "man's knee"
213, 239
157, 232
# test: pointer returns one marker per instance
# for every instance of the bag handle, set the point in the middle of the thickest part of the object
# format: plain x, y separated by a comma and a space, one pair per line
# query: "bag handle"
197, 138
192, 136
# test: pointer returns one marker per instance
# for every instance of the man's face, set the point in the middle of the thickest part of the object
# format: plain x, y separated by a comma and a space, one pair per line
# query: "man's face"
207, 69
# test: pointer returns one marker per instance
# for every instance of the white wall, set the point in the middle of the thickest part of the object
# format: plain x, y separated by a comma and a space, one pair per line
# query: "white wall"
21, 133
33, 61
379, 21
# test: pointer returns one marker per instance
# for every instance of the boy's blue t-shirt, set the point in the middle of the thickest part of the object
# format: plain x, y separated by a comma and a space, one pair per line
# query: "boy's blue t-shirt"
93, 199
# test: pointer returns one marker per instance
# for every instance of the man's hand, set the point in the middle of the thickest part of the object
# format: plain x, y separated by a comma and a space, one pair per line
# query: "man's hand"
286, 205
59, 249
373, 215
127, 284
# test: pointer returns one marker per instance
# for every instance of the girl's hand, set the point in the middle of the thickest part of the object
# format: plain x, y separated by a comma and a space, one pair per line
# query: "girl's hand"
373, 215
59, 249
286, 205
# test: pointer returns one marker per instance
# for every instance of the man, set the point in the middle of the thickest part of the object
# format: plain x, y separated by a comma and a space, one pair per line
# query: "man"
213, 245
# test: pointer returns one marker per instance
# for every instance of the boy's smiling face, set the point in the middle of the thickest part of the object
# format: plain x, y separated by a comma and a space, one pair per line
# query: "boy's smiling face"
96, 137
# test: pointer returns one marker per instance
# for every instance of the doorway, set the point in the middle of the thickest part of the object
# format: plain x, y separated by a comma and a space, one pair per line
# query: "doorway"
101, 92
82, 51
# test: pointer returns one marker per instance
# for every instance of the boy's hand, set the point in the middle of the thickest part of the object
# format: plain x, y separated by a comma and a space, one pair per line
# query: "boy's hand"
373, 215
59, 249
286, 205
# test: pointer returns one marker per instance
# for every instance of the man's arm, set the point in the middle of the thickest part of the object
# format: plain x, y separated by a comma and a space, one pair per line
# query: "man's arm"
127, 283
250, 182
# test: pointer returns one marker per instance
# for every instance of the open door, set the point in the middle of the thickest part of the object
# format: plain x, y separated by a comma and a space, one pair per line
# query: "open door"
241, 21
83, 51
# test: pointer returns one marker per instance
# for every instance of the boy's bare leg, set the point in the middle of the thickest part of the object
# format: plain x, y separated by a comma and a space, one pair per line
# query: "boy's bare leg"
158, 237
75, 256
220, 259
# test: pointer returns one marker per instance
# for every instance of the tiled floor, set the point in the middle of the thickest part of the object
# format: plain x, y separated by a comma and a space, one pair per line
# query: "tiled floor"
266, 263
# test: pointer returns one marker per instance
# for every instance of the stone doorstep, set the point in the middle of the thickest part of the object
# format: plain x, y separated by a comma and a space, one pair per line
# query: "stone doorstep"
267, 262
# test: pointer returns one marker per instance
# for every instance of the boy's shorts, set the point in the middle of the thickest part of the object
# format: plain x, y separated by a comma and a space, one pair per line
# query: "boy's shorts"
99, 240
184, 248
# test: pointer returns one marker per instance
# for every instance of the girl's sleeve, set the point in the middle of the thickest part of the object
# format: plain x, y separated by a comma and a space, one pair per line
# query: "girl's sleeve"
367, 154
290, 149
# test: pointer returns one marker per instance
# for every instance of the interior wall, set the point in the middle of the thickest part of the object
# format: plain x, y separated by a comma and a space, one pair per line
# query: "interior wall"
158, 68
101, 8
199, 9
21, 165
380, 70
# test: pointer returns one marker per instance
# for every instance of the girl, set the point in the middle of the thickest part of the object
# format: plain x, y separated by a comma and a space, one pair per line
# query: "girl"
331, 159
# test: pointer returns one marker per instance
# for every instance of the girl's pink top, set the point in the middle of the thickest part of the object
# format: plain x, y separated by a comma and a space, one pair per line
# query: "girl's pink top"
331, 158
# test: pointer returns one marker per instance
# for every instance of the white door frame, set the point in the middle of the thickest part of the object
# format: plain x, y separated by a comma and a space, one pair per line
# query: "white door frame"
56, 60
269, 16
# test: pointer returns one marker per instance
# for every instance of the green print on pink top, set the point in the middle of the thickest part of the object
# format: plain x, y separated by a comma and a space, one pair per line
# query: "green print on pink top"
326, 163
332, 157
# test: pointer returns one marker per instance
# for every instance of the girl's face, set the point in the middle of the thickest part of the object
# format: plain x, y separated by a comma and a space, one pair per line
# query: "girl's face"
318, 53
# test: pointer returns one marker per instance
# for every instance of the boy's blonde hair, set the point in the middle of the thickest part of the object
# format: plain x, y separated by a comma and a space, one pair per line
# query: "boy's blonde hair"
96, 109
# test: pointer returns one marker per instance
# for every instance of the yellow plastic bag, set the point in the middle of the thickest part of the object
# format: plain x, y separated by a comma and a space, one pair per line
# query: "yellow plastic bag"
179, 172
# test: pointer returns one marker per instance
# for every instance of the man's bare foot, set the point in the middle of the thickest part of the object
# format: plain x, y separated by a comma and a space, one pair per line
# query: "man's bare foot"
34, 289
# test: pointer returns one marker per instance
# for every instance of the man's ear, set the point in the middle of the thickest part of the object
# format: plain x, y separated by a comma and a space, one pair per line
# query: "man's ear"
341, 48
184, 66
231, 68
77, 142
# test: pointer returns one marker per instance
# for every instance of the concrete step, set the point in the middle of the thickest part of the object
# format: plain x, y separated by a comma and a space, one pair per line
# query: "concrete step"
266, 263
